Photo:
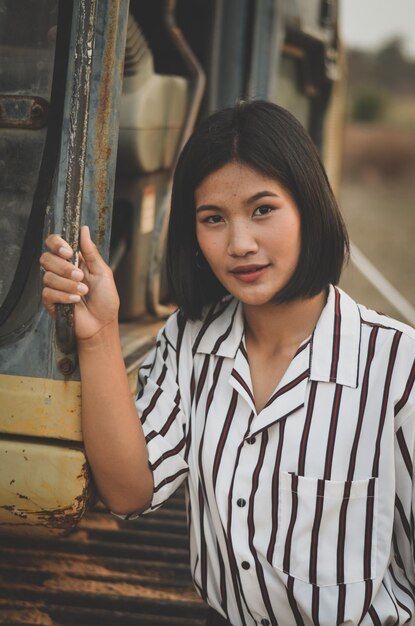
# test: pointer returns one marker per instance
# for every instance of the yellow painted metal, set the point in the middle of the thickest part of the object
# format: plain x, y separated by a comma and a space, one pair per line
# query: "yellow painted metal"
39, 407
44, 479
333, 135
43, 487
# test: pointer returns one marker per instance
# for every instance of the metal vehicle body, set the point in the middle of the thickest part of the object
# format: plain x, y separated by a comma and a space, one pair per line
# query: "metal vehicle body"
75, 79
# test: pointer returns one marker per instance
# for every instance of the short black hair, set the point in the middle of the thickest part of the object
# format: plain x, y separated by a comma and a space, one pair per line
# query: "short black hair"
268, 139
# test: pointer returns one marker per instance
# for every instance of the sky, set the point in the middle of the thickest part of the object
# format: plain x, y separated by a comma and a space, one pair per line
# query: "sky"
367, 24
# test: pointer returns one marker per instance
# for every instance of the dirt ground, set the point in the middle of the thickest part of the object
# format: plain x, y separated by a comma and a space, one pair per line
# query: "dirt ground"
379, 210
381, 223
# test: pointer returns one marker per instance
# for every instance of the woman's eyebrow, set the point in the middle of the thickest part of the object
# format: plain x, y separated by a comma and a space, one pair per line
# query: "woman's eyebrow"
208, 207
254, 198
261, 194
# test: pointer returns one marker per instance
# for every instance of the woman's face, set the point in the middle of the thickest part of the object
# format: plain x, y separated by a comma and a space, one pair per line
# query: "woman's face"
249, 230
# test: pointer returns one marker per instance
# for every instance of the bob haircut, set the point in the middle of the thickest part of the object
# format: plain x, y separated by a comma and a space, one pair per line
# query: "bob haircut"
268, 139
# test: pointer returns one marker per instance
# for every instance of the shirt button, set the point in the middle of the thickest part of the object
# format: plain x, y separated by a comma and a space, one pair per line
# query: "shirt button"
265, 622
241, 502
245, 565
251, 440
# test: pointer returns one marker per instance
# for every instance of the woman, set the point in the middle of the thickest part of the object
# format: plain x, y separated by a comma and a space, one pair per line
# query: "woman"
288, 408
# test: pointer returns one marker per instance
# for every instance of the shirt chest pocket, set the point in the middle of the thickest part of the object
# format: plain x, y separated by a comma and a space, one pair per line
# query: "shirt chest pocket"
326, 530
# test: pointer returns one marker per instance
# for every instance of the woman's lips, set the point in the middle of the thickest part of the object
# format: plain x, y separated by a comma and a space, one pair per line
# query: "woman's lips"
249, 273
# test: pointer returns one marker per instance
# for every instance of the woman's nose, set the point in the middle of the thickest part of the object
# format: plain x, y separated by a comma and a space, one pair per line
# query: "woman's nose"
241, 240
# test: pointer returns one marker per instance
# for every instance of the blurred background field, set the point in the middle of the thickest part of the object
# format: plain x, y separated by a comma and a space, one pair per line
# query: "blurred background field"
378, 190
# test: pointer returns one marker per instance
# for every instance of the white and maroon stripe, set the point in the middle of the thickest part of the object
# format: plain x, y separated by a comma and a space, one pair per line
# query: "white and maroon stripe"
237, 587
251, 530
408, 390
336, 337
274, 492
307, 445
224, 434
341, 542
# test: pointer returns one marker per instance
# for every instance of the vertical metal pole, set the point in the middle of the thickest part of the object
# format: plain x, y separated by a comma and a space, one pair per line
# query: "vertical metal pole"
78, 131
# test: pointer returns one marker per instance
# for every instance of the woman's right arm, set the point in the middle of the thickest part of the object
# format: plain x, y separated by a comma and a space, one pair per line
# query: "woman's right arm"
113, 436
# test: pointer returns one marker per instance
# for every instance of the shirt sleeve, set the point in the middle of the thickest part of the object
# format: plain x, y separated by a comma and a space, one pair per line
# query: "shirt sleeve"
165, 425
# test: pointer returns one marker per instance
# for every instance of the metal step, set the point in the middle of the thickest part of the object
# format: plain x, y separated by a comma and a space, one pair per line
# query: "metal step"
106, 572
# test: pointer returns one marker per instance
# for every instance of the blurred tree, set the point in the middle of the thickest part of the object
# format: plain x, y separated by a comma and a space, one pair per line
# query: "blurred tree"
390, 64
368, 105
388, 68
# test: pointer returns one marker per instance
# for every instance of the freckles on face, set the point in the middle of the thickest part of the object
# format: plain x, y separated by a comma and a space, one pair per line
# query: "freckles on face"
248, 229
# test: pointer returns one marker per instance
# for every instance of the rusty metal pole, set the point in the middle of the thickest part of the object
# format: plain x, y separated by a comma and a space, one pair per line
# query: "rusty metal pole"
78, 132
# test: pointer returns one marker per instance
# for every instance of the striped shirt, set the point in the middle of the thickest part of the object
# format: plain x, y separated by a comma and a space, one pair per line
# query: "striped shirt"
301, 513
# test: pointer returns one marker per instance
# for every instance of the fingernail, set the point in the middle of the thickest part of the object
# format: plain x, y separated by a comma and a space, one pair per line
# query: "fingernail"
86, 228
83, 289
77, 275
64, 251
74, 298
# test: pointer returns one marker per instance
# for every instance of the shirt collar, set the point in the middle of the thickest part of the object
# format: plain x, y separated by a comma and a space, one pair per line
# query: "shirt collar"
222, 329
335, 343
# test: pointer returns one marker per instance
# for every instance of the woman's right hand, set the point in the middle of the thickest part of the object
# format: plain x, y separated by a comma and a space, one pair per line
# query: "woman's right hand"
90, 287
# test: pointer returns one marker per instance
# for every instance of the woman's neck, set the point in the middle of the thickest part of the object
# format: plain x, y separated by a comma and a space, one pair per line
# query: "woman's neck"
278, 327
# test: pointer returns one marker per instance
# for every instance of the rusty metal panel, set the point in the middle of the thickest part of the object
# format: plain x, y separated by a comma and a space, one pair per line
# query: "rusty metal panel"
107, 76
106, 572
43, 487
40, 407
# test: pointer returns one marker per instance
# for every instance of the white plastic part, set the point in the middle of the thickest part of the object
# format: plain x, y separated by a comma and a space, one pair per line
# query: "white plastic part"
152, 115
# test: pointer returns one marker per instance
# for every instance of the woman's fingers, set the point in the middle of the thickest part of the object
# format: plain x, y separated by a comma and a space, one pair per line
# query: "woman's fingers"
59, 246
61, 280
53, 263
65, 285
51, 297
90, 254
61, 252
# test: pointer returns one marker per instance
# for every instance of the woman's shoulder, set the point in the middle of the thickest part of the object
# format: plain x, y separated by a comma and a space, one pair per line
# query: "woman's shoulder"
395, 342
383, 321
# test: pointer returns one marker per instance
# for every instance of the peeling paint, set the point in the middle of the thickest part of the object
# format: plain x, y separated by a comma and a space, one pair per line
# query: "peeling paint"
49, 495
103, 138
76, 159
23, 497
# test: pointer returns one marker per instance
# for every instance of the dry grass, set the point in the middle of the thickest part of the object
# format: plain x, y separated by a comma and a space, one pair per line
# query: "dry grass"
380, 216
378, 153
400, 113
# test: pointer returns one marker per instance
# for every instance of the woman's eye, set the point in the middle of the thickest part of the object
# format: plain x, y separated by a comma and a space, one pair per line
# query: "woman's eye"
263, 210
213, 219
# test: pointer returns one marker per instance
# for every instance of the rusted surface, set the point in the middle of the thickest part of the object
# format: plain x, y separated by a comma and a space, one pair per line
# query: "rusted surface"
28, 112
14, 510
106, 572
77, 145
44, 489
65, 338
66, 366
24, 613
104, 139
79, 114
66, 519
